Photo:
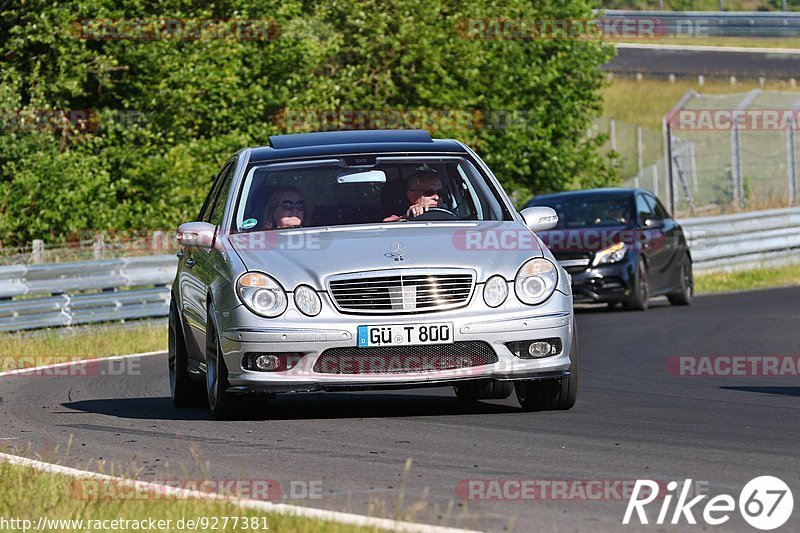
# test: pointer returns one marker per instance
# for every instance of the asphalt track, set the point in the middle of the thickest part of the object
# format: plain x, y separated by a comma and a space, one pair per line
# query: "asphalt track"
662, 62
633, 420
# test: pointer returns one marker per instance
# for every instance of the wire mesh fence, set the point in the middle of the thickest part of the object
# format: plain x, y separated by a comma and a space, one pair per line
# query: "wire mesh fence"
92, 246
733, 152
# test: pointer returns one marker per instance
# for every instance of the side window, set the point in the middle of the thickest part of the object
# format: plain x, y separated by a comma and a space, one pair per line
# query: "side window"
643, 209
224, 191
205, 211
661, 211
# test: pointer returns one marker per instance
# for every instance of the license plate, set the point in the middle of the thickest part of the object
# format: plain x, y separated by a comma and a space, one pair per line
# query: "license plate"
405, 334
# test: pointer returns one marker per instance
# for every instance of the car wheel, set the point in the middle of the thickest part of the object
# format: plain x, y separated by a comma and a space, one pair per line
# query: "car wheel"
683, 296
223, 404
469, 391
641, 288
185, 392
552, 395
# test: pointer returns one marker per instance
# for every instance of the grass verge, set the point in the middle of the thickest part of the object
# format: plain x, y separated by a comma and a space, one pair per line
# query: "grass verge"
747, 279
58, 345
646, 102
56, 499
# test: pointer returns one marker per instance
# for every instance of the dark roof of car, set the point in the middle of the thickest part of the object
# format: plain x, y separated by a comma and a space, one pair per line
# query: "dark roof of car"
607, 191
352, 142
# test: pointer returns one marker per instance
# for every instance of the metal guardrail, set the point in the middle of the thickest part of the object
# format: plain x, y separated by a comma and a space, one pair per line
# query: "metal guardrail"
716, 23
40, 296
50, 295
744, 241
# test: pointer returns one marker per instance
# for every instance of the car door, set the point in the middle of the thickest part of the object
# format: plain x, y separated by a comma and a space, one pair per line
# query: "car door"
651, 242
674, 246
195, 269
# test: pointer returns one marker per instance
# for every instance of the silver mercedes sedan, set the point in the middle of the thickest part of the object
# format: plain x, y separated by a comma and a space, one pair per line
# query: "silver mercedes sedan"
367, 260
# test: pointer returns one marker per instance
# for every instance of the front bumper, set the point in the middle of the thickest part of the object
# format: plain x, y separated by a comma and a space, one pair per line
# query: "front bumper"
309, 338
604, 283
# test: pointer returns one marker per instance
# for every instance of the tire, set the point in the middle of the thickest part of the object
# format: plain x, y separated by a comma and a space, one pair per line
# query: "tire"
470, 391
222, 404
552, 395
185, 392
640, 298
683, 296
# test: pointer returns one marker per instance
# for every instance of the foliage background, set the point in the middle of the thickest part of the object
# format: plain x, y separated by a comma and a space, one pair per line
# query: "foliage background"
171, 111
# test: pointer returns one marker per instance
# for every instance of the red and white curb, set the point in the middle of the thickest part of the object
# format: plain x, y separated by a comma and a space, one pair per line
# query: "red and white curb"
256, 505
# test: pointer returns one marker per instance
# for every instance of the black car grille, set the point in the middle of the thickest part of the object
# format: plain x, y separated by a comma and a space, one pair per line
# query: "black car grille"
574, 262
401, 292
405, 359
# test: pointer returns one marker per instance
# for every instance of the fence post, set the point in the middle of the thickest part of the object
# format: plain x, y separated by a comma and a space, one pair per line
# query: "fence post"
654, 167
98, 246
736, 165
612, 133
639, 154
791, 163
693, 166
666, 135
37, 252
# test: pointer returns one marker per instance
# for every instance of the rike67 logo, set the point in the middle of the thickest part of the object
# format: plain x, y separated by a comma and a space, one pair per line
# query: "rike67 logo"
765, 503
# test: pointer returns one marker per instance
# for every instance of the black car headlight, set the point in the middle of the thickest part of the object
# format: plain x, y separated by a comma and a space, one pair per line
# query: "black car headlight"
536, 281
261, 294
612, 254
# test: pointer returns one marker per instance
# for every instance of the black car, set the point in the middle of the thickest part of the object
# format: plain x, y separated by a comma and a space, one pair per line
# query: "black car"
619, 246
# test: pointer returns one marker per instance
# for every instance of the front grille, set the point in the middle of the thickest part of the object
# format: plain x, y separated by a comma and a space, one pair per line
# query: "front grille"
405, 359
573, 262
401, 291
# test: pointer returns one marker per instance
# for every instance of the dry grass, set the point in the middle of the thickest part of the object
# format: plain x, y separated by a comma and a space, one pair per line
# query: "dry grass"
761, 278
25, 349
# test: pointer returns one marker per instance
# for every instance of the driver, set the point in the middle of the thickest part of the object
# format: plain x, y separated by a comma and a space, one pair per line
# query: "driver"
424, 191
618, 211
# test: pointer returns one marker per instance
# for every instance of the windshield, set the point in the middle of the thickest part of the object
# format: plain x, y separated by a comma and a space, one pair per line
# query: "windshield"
342, 191
589, 211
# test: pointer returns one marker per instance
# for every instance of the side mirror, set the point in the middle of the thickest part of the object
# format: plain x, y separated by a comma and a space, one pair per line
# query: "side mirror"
653, 223
197, 234
539, 218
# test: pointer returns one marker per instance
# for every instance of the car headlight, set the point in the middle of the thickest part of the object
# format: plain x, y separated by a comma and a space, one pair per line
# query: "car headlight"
612, 254
495, 291
536, 281
261, 294
307, 300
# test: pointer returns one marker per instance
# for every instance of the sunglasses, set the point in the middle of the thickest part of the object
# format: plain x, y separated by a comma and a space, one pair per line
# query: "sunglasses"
430, 192
288, 205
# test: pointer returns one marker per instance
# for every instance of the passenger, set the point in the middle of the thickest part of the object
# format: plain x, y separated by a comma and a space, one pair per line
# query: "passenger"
424, 191
286, 209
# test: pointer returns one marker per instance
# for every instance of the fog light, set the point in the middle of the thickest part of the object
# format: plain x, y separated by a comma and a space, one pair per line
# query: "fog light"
267, 362
536, 349
540, 349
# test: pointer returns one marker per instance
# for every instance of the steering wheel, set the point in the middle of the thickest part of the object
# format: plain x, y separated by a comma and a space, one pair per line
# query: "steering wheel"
436, 213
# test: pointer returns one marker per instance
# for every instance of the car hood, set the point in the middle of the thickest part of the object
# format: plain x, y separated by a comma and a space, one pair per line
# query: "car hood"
310, 256
586, 239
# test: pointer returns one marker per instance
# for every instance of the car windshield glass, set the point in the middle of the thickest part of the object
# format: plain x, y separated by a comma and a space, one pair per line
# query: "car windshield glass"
334, 192
589, 211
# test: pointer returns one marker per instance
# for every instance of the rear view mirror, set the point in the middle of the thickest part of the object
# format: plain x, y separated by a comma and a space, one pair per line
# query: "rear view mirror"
540, 218
364, 176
